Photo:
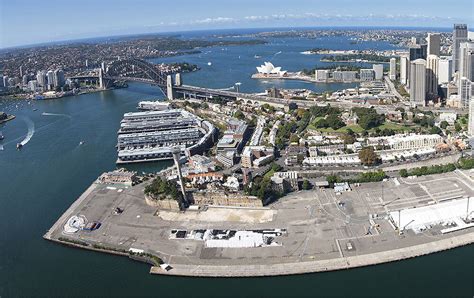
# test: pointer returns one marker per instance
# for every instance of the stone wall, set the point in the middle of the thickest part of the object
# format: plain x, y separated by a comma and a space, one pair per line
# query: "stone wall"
167, 204
225, 199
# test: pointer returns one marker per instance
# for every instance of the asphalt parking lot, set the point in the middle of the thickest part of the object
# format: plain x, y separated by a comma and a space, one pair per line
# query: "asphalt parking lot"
320, 224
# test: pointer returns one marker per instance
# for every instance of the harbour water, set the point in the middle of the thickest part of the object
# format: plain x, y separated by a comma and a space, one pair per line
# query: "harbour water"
40, 182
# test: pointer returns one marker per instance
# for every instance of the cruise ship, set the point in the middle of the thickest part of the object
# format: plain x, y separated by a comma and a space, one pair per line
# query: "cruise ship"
153, 105
151, 135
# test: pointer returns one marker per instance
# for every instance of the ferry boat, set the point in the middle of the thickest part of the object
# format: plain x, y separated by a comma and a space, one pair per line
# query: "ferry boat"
153, 105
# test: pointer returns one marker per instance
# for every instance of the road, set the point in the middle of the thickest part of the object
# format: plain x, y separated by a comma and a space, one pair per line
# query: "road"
392, 88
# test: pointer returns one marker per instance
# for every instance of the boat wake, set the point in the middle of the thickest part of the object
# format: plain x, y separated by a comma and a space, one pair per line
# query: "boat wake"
31, 131
54, 114
227, 89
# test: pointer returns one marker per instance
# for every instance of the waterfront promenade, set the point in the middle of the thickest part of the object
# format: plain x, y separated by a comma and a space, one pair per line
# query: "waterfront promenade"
317, 266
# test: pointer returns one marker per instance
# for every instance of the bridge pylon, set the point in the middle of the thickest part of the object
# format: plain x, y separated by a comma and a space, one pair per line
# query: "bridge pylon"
101, 79
169, 87
178, 80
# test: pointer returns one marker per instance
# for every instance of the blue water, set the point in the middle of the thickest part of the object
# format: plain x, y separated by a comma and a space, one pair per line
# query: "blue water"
230, 65
42, 180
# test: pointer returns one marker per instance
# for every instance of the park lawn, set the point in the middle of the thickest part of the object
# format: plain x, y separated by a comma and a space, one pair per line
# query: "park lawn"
357, 129
312, 124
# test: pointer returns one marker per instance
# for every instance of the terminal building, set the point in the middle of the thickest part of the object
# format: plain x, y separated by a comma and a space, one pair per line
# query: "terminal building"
151, 135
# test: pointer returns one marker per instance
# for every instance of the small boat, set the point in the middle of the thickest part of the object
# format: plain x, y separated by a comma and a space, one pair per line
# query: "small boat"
19, 146
81, 143
1, 136
35, 110
209, 63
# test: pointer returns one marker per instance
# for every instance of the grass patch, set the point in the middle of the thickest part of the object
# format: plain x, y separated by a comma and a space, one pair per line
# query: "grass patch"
357, 129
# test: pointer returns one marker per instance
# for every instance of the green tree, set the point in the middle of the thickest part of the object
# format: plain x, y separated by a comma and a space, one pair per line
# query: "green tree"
239, 115
403, 173
306, 185
294, 139
436, 130
457, 127
444, 124
368, 157
369, 118
348, 138
332, 179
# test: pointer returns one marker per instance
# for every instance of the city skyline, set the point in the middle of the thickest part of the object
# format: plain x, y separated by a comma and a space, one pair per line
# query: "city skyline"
121, 18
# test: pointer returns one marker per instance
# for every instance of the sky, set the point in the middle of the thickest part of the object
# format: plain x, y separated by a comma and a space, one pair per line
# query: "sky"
24, 22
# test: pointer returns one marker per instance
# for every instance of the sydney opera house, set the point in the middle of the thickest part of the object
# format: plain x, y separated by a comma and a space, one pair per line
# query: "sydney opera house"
269, 70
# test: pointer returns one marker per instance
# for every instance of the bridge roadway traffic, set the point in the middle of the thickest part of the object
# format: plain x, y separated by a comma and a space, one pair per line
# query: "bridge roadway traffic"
208, 92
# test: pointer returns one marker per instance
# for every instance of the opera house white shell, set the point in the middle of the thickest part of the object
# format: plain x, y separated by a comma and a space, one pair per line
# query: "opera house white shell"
269, 69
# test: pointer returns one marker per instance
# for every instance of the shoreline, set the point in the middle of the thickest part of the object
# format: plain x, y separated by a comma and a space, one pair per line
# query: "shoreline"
285, 269
291, 268
303, 79
333, 262
353, 61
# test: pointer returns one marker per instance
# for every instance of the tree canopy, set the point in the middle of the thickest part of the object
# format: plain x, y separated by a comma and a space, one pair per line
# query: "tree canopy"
368, 157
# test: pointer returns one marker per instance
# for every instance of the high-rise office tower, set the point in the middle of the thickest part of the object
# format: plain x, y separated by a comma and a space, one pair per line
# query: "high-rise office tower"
42, 79
418, 52
445, 70
393, 69
434, 43
24, 80
404, 69
466, 60
58, 80
415, 40
50, 76
459, 36
470, 127
465, 91
378, 69
21, 71
418, 82
432, 73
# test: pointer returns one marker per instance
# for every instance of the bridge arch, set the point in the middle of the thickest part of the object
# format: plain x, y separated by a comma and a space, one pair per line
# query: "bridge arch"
128, 69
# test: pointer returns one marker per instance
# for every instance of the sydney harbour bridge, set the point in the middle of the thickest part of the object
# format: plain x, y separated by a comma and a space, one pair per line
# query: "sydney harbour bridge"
138, 70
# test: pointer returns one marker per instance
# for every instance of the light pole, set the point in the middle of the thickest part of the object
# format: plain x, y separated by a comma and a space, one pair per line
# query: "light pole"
176, 151
467, 208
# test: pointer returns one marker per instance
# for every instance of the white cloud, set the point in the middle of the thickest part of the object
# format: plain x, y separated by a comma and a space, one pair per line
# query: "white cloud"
213, 20
311, 18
